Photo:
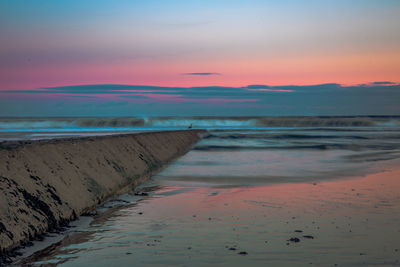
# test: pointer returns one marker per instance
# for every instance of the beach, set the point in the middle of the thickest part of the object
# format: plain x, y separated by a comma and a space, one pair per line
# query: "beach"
47, 183
305, 191
200, 133
351, 222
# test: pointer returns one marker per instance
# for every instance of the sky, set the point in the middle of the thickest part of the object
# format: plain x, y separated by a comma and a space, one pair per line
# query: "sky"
176, 45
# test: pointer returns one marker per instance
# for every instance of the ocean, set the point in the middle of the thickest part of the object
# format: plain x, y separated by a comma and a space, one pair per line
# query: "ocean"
256, 190
245, 150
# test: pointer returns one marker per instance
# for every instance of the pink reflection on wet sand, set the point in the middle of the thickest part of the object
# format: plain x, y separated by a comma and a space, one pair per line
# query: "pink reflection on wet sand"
352, 222
339, 197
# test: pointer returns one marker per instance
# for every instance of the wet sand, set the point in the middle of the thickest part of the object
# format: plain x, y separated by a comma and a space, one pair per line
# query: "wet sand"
44, 184
348, 222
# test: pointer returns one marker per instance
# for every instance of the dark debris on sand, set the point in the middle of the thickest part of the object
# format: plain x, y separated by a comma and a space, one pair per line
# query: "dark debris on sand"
141, 194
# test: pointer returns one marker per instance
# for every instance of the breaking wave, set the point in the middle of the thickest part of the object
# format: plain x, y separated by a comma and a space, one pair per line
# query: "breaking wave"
199, 122
69, 123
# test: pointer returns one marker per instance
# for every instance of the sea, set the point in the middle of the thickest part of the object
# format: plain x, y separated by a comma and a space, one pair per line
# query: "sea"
262, 191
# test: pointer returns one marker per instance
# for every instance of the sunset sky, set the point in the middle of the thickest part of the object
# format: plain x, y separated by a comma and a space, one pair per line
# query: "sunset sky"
172, 43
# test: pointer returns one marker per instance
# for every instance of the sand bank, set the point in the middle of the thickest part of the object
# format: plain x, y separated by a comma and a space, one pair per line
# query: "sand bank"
44, 184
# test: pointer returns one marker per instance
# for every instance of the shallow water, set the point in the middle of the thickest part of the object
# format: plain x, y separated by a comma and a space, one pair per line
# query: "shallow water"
248, 188
352, 223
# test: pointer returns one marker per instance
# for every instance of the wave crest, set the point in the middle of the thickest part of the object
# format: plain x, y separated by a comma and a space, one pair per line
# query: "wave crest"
200, 122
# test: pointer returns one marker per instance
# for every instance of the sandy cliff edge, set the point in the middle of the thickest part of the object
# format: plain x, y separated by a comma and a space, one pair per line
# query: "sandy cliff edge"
45, 184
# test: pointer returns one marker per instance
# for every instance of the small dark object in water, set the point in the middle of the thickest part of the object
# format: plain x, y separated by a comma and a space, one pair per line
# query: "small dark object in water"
91, 212
39, 237
189, 248
298, 231
128, 253
17, 253
141, 194
140, 213
308, 236
294, 239
120, 200
242, 253
232, 248
190, 126
62, 229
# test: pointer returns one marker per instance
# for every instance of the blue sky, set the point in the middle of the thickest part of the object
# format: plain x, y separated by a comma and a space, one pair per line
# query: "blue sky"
175, 43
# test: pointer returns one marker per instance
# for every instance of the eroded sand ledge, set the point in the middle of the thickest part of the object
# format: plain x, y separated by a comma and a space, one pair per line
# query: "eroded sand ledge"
46, 183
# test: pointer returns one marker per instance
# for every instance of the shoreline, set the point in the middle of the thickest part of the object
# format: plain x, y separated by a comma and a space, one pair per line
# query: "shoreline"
47, 183
336, 219
78, 230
